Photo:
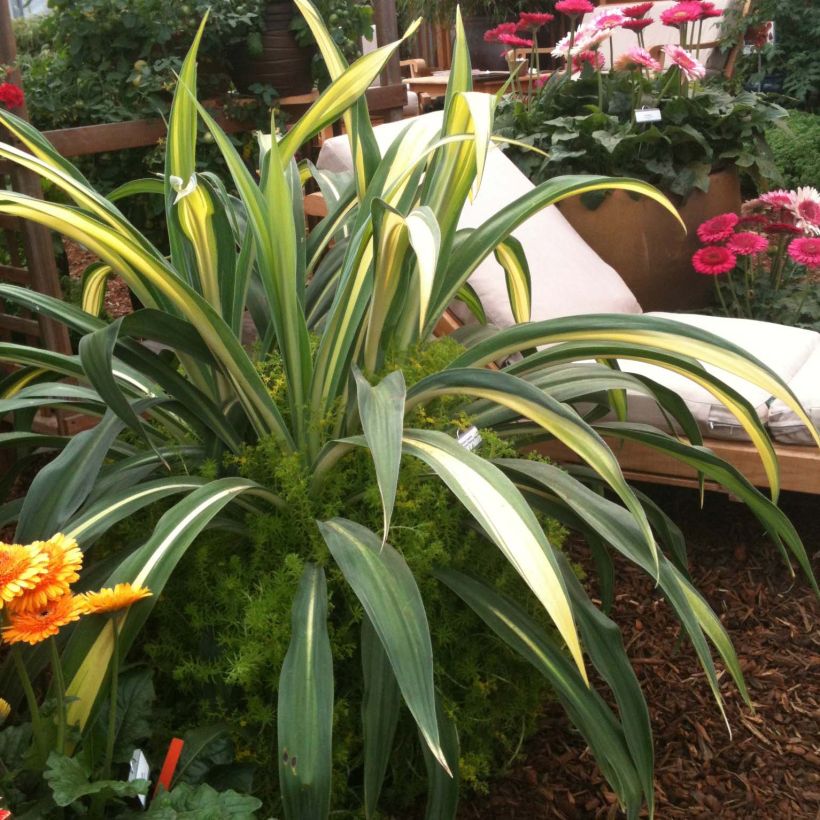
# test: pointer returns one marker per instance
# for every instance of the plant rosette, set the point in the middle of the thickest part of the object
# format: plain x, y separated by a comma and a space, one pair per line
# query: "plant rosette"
765, 260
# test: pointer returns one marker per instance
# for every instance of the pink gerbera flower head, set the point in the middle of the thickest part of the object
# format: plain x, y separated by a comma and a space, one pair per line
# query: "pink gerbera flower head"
492, 35
533, 20
574, 8
608, 19
691, 68
588, 37
779, 199
637, 25
561, 48
782, 229
747, 243
750, 220
805, 250
637, 57
708, 10
688, 11
637, 10
718, 228
593, 58
514, 40
806, 209
714, 260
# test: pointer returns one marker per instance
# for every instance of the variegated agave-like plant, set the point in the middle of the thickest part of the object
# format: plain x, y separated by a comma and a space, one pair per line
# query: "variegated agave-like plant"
375, 275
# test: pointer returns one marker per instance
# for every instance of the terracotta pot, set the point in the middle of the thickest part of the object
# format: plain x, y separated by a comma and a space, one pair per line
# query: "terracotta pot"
648, 248
283, 63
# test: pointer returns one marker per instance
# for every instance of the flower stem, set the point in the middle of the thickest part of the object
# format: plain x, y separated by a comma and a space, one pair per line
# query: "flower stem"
31, 701
59, 687
112, 706
719, 292
571, 44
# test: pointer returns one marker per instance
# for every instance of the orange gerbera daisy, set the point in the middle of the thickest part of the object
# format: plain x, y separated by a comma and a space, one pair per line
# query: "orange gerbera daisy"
5, 710
64, 561
21, 567
39, 624
110, 600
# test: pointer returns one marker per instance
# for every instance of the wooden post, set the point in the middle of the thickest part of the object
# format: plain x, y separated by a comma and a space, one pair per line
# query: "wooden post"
387, 31
40, 262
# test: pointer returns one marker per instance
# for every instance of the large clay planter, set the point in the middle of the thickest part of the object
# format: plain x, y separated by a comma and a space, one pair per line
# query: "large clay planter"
283, 63
648, 248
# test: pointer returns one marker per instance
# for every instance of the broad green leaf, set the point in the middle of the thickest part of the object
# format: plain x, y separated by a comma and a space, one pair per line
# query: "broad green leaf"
586, 709
443, 789
70, 782
381, 409
186, 802
305, 708
381, 702
95, 278
510, 255
499, 508
388, 592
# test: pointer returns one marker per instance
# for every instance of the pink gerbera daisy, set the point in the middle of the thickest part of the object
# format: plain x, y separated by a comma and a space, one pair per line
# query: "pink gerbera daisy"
637, 10
806, 208
574, 7
718, 228
593, 58
752, 219
747, 243
533, 20
805, 250
637, 25
692, 69
637, 57
608, 19
708, 10
688, 11
783, 228
492, 35
714, 260
780, 199
514, 40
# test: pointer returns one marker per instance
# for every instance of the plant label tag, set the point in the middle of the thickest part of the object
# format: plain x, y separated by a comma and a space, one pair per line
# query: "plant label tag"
647, 115
139, 770
469, 438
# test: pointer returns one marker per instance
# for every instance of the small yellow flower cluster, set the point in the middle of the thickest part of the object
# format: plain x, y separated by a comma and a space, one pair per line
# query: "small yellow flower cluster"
35, 589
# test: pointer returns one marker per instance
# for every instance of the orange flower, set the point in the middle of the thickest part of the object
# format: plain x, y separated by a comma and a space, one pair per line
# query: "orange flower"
21, 567
110, 600
64, 561
35, 626
5, 710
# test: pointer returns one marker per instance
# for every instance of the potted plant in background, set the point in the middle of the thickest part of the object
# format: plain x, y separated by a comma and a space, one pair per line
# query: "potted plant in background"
667, 126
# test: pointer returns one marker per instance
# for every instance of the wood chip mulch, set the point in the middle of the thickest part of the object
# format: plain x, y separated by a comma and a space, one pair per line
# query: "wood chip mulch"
117, 300
771, 766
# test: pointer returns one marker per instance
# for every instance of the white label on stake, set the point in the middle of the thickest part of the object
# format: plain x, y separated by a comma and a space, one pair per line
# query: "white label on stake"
470, 438
647, 115
139, 770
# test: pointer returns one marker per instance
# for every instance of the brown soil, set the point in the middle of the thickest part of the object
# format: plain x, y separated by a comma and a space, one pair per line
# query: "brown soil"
117, 300
771, 766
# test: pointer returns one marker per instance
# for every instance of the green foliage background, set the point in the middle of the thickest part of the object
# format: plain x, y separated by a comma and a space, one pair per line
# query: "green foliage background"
796, 149
223, 625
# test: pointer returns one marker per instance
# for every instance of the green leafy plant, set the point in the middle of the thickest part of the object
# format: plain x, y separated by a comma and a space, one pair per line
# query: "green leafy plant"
339, 305
795, 148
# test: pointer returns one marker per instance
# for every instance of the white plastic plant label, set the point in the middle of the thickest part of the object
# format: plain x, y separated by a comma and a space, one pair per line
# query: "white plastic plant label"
647, 115
469, 438
139, 770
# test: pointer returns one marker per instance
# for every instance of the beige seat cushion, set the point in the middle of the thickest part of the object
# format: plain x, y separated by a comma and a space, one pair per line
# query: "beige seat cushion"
786, 350
785, 426
568, 277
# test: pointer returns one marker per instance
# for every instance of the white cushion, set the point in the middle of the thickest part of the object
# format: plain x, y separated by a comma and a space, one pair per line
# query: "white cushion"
784, 349
784, 424
568, 277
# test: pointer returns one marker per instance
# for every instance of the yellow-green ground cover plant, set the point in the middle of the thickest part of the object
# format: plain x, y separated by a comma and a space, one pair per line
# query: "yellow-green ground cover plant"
337, 310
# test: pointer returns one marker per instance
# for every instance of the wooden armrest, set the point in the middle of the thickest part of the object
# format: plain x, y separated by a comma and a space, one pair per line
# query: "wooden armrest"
417, 67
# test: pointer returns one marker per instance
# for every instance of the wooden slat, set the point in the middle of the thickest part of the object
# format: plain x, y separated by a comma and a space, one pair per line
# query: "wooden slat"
14, 274
17, 324
799, 466
383, 97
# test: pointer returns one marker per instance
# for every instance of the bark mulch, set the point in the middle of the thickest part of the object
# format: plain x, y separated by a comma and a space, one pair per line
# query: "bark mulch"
771, 766
117, 301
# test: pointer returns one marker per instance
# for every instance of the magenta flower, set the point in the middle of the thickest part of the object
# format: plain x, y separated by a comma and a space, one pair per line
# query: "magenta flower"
805, 250
713, 260
718, 228
532, 20
637, 25
691, 68
492, 35
688, 11
637, 57
747, 243
637, 10
593, 58
573, 8
514, 40
608, 19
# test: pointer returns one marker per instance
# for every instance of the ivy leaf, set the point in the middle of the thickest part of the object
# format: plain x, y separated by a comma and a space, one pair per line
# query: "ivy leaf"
69, 782
185, 802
